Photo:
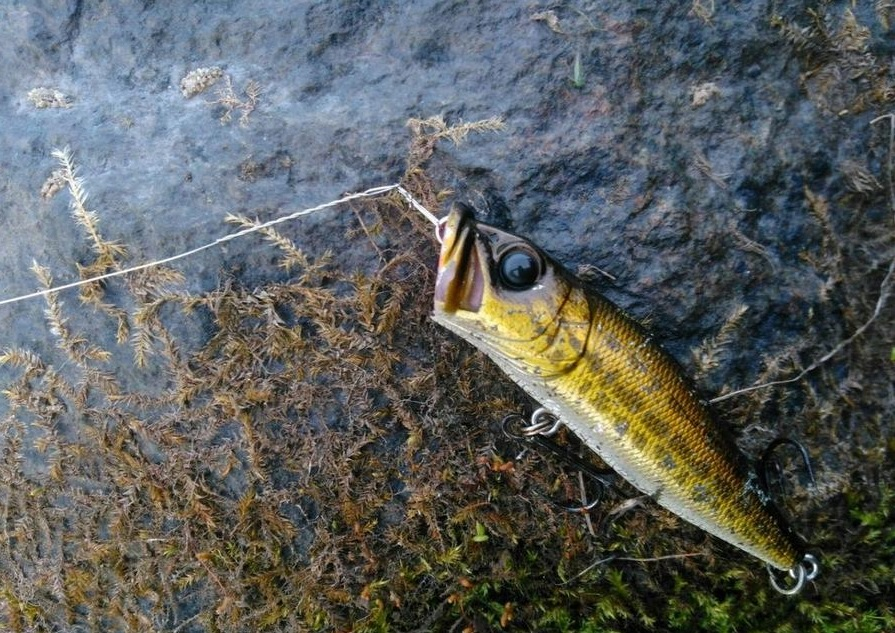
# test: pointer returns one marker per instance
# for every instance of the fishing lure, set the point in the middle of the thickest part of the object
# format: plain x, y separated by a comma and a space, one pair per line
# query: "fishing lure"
601, 375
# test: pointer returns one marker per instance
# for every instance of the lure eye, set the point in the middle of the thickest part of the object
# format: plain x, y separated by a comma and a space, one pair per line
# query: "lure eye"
519, 268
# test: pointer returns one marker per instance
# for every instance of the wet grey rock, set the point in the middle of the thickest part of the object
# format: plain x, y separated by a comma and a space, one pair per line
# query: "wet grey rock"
693, 204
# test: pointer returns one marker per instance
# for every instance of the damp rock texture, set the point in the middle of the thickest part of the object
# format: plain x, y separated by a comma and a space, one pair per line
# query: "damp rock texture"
270, 434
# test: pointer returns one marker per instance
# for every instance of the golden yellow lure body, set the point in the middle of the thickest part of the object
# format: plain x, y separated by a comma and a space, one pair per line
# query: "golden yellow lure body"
598, 371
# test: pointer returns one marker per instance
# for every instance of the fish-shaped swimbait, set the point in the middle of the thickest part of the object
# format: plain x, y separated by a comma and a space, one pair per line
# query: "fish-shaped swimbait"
600, 373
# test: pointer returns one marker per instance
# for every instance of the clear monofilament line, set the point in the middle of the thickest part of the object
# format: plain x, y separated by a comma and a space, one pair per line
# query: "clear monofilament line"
369, 193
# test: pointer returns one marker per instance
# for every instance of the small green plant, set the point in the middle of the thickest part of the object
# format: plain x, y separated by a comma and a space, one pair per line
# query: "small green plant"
481, 535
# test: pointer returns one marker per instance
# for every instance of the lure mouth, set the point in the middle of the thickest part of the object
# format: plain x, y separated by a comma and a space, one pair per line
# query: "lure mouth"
461, 281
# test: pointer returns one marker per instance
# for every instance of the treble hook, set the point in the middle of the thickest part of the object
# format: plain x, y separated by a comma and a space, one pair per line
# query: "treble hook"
765, 463
808, 568
542, 426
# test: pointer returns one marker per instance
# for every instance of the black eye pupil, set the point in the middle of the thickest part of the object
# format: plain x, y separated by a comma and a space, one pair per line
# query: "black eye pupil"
519, 269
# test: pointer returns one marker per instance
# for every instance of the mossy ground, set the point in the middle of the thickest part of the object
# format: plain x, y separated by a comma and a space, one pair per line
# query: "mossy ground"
323, 457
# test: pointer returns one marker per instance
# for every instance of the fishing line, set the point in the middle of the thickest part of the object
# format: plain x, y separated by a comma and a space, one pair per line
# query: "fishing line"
369, 193
885, 288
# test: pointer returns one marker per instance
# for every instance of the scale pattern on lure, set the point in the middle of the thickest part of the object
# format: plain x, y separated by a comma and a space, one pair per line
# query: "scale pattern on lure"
599, 372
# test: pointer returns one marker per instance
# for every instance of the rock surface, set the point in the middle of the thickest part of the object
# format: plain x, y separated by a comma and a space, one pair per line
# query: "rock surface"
705, 156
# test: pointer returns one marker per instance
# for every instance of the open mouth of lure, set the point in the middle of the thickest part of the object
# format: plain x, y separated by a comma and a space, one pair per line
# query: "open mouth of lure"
460, 283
